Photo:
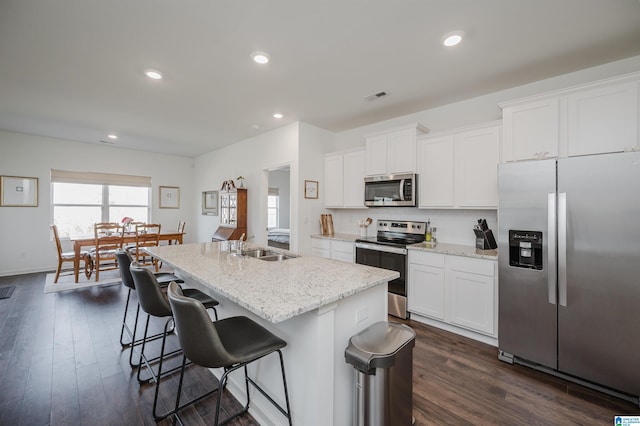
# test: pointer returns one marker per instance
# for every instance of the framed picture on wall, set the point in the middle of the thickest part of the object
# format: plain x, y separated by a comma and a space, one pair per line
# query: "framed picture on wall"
18, 191
210, 203
169, 197
310, 189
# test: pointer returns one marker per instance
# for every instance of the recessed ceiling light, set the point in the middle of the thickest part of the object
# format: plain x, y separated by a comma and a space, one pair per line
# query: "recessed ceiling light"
453, 38
260, 57
112, 136
277, 115
153, 74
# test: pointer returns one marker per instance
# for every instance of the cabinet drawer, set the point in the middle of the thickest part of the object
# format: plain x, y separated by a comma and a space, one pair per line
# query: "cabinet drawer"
320, 252
321, 243
342, 247
472, 266
344, 257
428, 259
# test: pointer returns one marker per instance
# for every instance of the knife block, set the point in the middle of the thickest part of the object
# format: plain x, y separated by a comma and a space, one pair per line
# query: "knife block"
485, 240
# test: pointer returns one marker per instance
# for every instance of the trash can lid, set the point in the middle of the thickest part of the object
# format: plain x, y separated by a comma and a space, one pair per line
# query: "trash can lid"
377, 345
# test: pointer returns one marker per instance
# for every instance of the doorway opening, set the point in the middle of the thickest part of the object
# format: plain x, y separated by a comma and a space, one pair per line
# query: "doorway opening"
279, 208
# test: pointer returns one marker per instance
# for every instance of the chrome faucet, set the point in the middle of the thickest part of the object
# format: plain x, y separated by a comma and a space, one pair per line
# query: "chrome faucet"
239, 244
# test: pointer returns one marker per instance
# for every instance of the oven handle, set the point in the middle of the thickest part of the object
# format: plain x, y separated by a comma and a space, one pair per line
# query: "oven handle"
379, 247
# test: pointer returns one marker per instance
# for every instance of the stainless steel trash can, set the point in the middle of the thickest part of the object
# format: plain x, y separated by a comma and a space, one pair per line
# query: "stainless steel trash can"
382, 356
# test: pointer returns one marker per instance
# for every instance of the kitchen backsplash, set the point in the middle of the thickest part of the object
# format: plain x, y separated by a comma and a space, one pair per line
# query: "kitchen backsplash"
453, 226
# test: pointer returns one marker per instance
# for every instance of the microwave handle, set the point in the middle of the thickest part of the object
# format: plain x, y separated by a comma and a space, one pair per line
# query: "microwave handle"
402, 189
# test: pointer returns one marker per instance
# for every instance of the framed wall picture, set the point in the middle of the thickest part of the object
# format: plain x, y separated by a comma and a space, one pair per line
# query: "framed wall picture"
169, 197
210, 203
310, 189
18, 191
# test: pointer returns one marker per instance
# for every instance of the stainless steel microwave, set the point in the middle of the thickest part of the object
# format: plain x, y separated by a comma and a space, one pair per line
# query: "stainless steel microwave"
390, 190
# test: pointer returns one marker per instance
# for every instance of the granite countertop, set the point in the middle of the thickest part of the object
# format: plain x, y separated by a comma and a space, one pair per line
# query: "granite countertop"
455, 250
350, 238
275, 291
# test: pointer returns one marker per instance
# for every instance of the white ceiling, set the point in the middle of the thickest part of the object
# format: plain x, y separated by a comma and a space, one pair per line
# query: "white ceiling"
73, 69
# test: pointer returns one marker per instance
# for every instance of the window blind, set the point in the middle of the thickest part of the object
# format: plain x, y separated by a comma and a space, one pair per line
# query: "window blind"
274, 191
68, 176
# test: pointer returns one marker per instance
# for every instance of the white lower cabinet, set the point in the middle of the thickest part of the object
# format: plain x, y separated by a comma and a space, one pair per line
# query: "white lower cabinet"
471, 301
321, 247
454, 290
342, 250
333, 249
427, 297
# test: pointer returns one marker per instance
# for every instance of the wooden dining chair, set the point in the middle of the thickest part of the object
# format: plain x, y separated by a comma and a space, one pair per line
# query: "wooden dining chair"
69, 256
147, 235
181, 226
108, 239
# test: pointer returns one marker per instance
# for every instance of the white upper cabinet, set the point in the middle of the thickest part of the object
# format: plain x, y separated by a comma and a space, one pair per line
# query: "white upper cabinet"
531, 130
344, 179
477, 157
354, 172
604, 119
334, 181
393, 151
435, 171
458, 169
593, 118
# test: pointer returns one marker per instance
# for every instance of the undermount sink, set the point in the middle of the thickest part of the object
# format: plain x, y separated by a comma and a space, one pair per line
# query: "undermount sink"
276, 257
257, 252
268, 255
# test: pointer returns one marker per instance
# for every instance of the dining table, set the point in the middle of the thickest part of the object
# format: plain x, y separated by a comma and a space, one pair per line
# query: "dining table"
129, 238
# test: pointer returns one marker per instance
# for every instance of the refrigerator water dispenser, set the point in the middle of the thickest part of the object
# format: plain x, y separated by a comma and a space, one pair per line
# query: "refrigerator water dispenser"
525, 249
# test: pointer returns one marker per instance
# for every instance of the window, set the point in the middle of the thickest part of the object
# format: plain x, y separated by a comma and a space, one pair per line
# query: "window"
76, 206
81, 199
273, 210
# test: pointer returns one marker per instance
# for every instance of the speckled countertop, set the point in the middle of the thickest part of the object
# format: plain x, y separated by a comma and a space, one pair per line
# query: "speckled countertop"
275, 291
456, 250
351, 238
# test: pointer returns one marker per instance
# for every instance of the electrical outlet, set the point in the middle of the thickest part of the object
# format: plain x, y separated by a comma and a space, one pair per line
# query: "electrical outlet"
362, 315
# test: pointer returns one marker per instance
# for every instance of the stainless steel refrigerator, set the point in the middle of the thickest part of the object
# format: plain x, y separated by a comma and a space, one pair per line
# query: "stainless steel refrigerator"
569, 267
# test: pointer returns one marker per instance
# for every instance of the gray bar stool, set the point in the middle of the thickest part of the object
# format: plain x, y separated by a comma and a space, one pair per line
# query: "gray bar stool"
231, 343
153, 302
124, 263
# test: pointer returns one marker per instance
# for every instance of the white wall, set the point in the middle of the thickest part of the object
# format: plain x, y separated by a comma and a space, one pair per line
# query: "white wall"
456, 226
25, 238
25, 242
251, 158
485, 108
314, 144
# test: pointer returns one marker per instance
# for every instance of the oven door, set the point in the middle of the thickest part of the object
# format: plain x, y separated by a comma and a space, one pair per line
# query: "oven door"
392, 258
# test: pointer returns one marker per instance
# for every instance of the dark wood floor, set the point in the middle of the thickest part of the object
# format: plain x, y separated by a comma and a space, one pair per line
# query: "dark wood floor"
61, 363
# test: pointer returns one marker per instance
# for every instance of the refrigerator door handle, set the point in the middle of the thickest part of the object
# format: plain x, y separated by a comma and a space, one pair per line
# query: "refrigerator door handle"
562, 248
551, 248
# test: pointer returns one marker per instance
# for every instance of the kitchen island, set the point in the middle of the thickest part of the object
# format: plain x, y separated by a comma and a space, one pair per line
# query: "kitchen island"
315, 304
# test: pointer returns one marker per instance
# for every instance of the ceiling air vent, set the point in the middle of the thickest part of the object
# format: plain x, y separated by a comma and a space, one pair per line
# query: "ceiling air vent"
107, 142
374, 96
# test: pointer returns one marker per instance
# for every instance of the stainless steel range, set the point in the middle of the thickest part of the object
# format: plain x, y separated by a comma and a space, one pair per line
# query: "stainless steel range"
388, 250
